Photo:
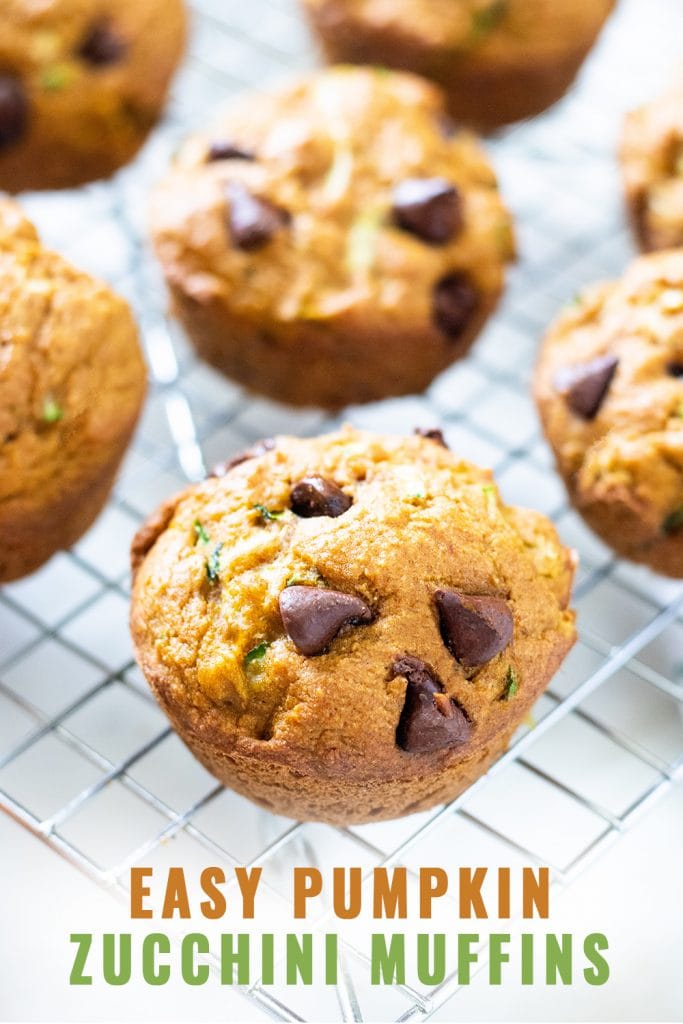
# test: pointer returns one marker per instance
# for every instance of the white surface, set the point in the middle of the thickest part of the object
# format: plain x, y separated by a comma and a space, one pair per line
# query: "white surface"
634, 894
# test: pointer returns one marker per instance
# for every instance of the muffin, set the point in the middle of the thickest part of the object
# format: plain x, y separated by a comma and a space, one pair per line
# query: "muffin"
328, 243
72, 381
652, 167
497, 60
351, 627
82, 82
609, 387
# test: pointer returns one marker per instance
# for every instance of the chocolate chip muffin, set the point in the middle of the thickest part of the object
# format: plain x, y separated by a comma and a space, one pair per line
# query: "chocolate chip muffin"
328, 243
72, 381
497, 60
351, 627
81, 84
609, 387
652, 167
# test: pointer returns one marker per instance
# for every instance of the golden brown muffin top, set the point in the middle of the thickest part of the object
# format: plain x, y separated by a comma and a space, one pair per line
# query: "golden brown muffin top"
71, 370
68, 65
498, 30
375, 528
610, 384
325, 160
652, 165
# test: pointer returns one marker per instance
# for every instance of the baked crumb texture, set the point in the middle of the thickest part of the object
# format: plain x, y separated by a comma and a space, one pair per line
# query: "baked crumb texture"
609, 387
652, 167
497, 60
337, 226
72, 382
81, 85
348, 660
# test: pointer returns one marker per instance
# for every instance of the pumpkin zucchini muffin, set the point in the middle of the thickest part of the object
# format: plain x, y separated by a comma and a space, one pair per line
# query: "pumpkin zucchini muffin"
497, 60
72, 381
652, 167
351, 627
609, 387
328, 243
82, 82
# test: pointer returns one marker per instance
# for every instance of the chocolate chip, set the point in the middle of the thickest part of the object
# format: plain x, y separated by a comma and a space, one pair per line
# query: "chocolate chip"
675, 368
474, 629
455, 300
13, 110
432, 434
430, 719
103, 45
221, 149
585, 386
314, 616
430, 208
673, 523
252, 221
316, 496
416, 672
259, 448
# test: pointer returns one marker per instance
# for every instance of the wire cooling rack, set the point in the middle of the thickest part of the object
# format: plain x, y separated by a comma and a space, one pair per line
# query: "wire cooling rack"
87, 761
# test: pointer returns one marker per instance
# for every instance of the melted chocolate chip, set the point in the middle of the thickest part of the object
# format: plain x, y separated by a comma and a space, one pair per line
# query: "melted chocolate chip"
675, 368
430, 208
13, 110
252, 221
221, 149
316, 496
103, 45
314, 616
430, 719
585, 386
432, 434
416, 672
474, 629
260, 448
454, 302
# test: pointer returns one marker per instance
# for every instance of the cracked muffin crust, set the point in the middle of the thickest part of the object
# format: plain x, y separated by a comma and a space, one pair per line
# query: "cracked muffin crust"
333, 226
72, 381
651, 156
497, 60
81, 85
349, 627
609, 387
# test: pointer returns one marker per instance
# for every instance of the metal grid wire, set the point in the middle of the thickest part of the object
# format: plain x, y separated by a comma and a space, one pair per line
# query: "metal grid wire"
87, 761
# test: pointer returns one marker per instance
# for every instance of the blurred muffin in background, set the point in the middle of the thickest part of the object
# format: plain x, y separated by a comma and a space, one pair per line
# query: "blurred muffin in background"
72, 381
652, 166
497, 60
334, 241
609, 388
82, 82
